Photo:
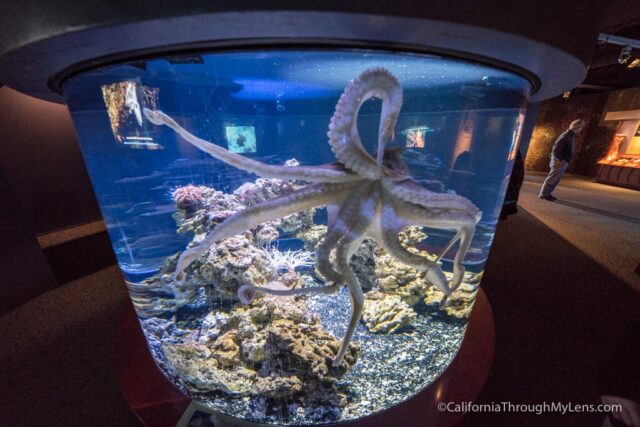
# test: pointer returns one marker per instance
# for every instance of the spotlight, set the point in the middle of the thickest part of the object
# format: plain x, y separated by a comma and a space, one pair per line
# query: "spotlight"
566, 95
625, 55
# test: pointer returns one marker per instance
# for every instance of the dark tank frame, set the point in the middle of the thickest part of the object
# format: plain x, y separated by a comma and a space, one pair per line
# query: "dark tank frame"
38, 54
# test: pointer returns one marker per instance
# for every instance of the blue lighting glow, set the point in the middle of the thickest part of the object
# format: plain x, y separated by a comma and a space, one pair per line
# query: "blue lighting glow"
308, 75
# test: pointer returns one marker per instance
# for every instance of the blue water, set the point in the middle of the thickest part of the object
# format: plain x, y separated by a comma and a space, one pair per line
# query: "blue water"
288, 98
459, 128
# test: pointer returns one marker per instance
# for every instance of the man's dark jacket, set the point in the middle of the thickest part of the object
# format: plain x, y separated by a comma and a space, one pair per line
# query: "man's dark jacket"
563, 147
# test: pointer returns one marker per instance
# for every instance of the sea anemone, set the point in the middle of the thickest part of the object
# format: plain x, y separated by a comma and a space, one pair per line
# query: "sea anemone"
288, 260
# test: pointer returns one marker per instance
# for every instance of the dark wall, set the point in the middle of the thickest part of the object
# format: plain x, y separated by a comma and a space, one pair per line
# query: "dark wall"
24, 270
625, 99
43, 187
554, 117
42, 163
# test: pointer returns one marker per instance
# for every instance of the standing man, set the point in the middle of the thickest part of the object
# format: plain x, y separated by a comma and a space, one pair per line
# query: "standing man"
561, 155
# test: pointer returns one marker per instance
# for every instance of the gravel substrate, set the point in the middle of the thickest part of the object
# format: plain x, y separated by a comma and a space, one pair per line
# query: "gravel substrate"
390, 369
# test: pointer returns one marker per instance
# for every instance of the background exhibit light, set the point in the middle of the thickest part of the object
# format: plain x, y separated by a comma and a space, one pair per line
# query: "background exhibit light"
625, 55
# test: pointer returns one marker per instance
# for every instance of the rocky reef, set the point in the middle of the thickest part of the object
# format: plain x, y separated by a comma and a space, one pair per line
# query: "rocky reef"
386, 313
275, 349
273, 357
252, 193
231, 263
203, 209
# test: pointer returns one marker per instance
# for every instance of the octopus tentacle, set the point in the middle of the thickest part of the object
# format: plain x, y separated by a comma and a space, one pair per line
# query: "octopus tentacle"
346, 218
390, 228
412, 192
343, 127
347, 245
322, 255
269, 210
326, 173
462, 223
246, 293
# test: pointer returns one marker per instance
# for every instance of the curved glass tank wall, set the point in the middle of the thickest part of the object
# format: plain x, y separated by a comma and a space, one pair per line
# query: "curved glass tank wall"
265, 206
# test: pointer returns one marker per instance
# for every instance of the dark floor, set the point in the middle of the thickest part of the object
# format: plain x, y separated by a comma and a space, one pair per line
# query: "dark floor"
557, 312
557, 315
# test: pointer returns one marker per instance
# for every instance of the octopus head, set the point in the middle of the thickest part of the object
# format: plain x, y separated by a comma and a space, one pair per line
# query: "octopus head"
392, 161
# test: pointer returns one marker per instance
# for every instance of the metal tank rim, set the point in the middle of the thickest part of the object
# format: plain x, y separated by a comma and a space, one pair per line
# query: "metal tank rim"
39, 68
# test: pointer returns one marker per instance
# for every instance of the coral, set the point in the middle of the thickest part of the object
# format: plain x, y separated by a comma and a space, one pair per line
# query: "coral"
273, 349
253, 193
385, 313
459, 303
265, 233
301, 220
189, 197
291, 280
302, 355
412, 236
215, 207
226, 349
165, 330
312, 236
396, 278
212, 325
196, 367
231, 263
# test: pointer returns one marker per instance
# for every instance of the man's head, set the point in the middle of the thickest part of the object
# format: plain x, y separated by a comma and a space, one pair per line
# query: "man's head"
576, 126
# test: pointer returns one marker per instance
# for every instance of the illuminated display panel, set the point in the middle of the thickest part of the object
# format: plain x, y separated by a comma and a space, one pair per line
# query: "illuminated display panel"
241, 139
125, 101
634, 145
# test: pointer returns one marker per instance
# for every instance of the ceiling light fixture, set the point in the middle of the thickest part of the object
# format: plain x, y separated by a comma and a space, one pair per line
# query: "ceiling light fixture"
625, 55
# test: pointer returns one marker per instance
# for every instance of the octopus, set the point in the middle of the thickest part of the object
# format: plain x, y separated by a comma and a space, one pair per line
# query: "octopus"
366, 196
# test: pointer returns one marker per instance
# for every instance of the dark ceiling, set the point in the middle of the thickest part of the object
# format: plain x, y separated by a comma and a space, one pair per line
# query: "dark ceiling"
605, 73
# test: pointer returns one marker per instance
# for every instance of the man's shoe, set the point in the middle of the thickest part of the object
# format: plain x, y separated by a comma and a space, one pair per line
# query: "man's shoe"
548, 197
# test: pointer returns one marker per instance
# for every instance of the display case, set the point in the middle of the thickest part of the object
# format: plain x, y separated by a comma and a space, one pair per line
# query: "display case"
621, 166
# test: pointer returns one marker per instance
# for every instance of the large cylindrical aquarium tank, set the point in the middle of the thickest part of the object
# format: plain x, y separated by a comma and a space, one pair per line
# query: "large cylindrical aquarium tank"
301, 200
302, 232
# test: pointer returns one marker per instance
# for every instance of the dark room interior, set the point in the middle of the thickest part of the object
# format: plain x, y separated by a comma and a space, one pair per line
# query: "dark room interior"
167, 259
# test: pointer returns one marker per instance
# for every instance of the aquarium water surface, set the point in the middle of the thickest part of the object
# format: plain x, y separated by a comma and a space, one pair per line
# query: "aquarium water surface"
249, 194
